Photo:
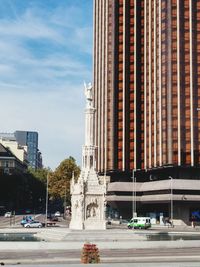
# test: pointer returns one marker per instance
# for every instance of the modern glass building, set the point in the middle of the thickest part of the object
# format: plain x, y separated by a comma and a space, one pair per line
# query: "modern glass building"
30, 139
147, 96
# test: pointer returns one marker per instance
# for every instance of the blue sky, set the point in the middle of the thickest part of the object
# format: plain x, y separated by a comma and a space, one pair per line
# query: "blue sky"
45, 55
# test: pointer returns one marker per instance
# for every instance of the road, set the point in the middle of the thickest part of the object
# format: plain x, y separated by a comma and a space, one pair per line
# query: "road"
15, 220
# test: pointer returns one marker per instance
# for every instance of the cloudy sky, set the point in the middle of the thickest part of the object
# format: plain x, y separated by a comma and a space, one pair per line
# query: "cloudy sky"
45, 55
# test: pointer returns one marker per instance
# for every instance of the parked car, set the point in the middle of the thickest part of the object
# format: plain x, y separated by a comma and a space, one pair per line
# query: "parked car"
23, 221
139, 222
57, 214
27, 211
54, 219
33, 224
8, 214
123, 221
26, 219
49, 215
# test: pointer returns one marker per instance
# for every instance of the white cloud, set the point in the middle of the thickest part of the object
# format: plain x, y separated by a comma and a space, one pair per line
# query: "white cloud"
4, 69
64, 27
42, 90
83, 36
56, 115
58, 62
29, 25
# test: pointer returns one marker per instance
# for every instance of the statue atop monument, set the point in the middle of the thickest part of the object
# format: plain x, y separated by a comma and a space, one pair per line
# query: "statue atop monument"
88, 94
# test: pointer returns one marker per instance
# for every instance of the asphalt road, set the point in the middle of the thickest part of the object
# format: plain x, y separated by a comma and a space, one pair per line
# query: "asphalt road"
14, 221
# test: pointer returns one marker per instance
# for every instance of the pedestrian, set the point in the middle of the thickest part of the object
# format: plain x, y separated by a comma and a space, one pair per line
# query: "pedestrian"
164, 221
167, 220
193, 222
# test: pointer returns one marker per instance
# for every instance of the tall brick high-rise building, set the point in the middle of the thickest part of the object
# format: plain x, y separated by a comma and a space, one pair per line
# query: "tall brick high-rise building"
147, 96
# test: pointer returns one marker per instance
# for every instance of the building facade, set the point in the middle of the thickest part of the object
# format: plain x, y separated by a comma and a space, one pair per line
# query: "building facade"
9, 163
19, 151
29, 141
147, 96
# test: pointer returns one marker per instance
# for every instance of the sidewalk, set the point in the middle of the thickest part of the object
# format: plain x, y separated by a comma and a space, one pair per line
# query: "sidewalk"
179, 228
63, 242
152, 264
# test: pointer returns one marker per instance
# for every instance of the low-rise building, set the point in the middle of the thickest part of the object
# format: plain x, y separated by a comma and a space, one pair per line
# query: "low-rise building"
27, 140
19, 151
9, 163
156, 197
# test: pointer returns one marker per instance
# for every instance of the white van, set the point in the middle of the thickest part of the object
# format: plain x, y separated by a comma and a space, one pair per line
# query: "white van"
139, 222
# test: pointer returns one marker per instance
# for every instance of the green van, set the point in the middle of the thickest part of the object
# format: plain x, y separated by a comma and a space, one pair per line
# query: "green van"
140, 223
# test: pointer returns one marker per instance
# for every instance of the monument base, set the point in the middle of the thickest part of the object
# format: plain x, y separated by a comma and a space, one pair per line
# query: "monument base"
76, 225
94, 225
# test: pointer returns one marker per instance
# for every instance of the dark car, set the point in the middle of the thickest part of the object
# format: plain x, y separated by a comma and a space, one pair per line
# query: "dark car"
54, 219
49, 215
27, 211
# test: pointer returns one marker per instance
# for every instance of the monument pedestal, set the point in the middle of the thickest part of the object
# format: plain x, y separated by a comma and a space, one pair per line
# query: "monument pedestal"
94, 225
76, 225
88, 203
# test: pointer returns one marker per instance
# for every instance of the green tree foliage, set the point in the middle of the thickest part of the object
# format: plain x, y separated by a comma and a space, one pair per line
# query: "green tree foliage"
59, 180
40, 174
21, 191
28, 191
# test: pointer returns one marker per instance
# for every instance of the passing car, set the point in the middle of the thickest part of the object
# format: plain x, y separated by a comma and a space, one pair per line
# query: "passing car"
57, 214
8, 214
33, 224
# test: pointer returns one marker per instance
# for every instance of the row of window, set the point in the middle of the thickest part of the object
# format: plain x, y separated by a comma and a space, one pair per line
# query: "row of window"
7, 164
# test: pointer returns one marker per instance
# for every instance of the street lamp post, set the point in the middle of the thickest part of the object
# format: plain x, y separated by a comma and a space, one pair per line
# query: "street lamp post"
65, 201
47, 193
171, 198
134, 195
65, 197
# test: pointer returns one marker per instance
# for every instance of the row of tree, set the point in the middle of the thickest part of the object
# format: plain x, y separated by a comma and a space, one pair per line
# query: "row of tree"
28, 191
58, 181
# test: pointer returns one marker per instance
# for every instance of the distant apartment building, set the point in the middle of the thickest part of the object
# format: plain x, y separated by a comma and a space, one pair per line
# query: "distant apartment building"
9, 163
29, 141
19, 151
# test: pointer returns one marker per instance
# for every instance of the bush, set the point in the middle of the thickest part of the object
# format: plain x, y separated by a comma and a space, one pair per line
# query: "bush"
90, 254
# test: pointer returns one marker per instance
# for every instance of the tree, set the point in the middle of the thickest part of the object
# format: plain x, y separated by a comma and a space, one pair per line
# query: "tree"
21, 191
40, 174
59, 180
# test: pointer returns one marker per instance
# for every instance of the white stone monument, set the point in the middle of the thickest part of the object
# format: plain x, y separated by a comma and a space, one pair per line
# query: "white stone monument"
88, 195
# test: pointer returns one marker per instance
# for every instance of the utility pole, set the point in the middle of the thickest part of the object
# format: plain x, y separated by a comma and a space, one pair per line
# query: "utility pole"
171, 198
65, 201
47, 193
